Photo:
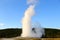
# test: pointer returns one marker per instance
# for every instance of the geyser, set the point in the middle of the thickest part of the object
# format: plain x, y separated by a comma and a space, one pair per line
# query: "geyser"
26, 22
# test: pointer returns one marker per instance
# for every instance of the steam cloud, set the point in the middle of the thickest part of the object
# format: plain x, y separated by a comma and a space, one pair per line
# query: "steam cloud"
32, 2
26, 22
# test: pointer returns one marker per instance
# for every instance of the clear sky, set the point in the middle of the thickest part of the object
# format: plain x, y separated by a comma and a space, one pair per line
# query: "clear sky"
12, 11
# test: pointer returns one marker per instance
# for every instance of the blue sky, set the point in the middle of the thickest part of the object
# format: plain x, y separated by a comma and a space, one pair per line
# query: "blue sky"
12, 11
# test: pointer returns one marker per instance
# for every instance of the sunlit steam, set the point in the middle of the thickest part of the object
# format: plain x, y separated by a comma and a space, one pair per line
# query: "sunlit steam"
30, 2
26, 22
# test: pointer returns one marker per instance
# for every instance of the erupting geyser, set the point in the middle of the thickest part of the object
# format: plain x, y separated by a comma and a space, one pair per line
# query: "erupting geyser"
26, 22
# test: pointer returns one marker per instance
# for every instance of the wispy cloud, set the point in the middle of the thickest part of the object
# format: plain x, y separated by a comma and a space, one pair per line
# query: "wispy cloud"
2, 24
32, 1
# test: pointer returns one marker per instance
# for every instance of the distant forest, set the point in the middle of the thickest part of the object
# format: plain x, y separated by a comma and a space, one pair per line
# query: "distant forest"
14, 32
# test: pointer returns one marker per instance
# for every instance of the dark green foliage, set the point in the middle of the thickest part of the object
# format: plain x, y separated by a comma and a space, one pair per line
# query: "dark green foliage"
52, 33
8, 33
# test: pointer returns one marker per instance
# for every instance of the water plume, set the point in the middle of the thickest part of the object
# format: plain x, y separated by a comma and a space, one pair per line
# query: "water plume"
26, 21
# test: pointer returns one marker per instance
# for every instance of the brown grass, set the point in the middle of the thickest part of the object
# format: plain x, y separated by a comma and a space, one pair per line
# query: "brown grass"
37, 39
32, 38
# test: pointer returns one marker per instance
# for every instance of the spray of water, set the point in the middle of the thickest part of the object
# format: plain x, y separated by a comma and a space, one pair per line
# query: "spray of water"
26, 21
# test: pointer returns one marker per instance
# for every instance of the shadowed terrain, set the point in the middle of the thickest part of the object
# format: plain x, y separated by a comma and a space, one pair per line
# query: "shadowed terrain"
14, 32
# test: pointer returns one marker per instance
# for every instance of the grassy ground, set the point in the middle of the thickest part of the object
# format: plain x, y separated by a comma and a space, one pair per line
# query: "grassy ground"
31, 39
38, 39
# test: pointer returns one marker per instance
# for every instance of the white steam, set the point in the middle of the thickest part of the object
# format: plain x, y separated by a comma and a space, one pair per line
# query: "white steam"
30, 2
38, 30
26, 22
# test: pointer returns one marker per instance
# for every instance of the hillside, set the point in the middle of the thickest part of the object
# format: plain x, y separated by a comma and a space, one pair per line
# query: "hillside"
8, 33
